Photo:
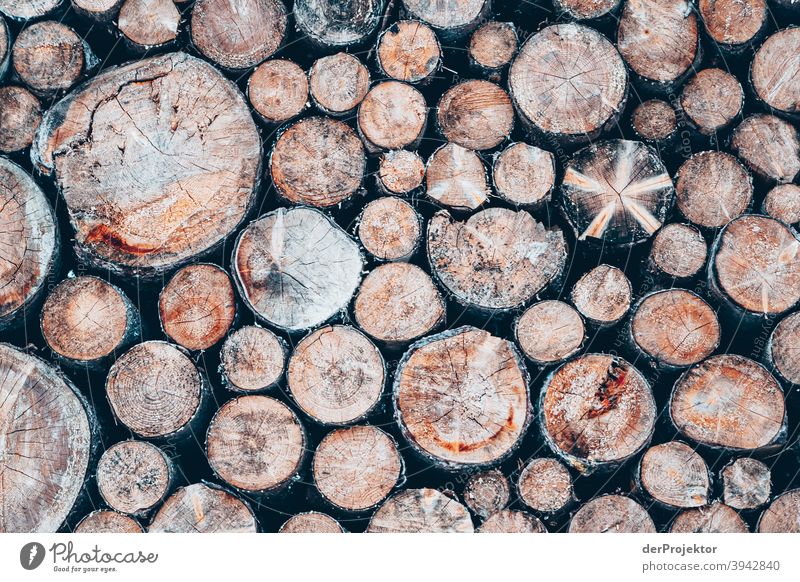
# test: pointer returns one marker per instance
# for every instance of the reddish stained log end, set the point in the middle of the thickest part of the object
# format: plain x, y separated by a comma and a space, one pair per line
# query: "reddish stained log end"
409, 51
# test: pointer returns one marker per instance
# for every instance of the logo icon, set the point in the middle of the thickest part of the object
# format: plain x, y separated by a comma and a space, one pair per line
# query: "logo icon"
31, 555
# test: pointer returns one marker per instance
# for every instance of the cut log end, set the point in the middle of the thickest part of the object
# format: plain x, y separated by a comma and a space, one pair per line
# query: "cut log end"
390, 229
493, 45
487, 493
712, 100
679, 250
585, 9
524, 174
595, 94
99, 10
48, 57
510, 521
336, 375
654, 120
456, 177
746, 484
769, 146
452, 18
783, 202
775, 72
783, 348
318, 161
255, 443
197, 307
401, 171
421, 511
545, 485
356, 468
603, 295
331, 24
28, 9
612, 514
409, 51
729, 401
296, 268
783, 514
154, 389
398, 303
134, 476
475, 114
104, 522
393, 115
675, 327
756, 265
461, 397
148, 24
47, 443
20, 116
338, 83
200, 508
733, 24
498, 259
241, 35
714, 518
617, 192
550, 331
278, 90
674, 475
85, 319
311, 522
252, 358
597, 410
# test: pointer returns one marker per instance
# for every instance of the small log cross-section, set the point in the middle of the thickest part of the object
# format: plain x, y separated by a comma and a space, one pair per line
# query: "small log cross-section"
421, 511
197, 306
356, 468
99, 10
179, 188
390, 229
238, 35
597, 410
603, 295
783, 514
201, 508
461, 397
104, 521
549, 332
617, 192
568, 81
475, 114
714, 518
5, 47
311, 522
679, 251
155, 389
85, 319
730, 402
255, 443
336, 375
654, 121
746, 483
393, 115
675, 327
48, 57
456, 177
318, 161
545, 485
511, 521
46, 433
147, 24
331, 24
296, 268
769, 146
775, 72
338, 83
134, 476
28, 242
487, 493
783, 203
27, 9
585, 9
398, 303
453, 18
674, 475
498, 259
733, 24
409, 51
493, 46
612, 514
251, 359
20, 116
712, 188
278, 90
756, 265
712, 99
524, 174
659, 39
400, 171
783, 349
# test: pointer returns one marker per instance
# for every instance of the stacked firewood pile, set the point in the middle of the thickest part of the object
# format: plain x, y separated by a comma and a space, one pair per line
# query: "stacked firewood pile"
399, 265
